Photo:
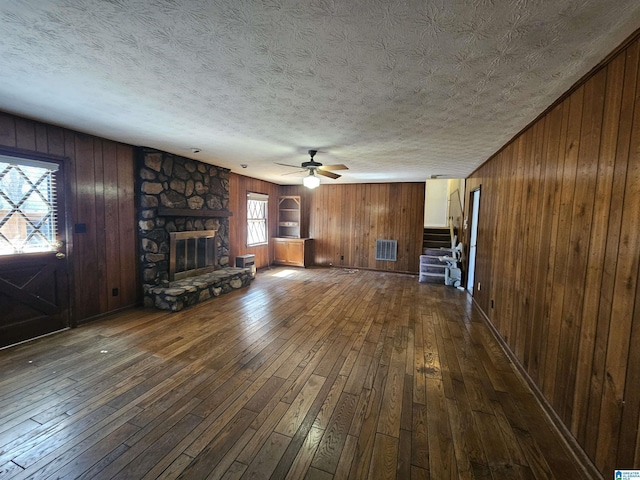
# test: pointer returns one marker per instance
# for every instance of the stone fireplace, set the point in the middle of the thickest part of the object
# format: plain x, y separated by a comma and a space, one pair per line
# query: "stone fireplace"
177, 194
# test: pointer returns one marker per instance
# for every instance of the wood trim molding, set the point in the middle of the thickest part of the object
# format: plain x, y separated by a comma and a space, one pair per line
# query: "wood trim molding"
31, 154
571, 444
186, 212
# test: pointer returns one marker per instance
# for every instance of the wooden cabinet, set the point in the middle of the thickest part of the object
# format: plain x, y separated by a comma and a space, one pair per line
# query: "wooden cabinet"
289, 217
297, 252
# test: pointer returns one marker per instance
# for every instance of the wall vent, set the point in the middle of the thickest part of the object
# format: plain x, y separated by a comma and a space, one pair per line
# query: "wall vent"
386, 250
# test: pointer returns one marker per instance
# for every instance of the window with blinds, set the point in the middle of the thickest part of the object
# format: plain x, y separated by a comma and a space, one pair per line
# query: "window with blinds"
27, 206
257, 208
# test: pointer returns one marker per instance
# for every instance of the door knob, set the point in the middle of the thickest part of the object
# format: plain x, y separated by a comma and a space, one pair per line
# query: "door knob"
60, 255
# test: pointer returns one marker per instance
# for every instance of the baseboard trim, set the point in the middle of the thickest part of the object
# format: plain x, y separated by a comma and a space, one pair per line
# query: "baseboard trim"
104, 315
572, 446
345, 267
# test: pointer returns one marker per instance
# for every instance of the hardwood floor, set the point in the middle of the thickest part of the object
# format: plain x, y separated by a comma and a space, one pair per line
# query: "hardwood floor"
317, 373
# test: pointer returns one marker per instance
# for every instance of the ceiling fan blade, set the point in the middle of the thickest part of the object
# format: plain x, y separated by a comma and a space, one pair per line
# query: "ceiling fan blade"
324, 173
334, 167
297, 172
287, 165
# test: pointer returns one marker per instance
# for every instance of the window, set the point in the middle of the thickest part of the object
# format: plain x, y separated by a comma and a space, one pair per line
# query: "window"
257, 208
27, 206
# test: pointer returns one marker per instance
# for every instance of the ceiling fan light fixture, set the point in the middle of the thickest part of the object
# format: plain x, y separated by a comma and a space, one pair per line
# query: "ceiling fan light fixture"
311, 181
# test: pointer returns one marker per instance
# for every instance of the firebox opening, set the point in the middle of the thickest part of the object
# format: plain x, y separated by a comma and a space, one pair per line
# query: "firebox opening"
192, 253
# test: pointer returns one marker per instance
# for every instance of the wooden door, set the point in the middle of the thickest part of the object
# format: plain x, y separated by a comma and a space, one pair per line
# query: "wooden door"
34, 293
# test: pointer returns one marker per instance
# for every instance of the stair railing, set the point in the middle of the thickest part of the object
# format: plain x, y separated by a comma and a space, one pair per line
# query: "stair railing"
455, 216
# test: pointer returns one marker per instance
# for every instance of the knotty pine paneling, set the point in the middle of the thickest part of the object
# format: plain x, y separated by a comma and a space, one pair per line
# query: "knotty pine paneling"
346, 220
100, 178
558, 256
239, 185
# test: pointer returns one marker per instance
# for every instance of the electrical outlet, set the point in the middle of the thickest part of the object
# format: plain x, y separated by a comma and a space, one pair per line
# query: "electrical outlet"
115, 292
478, 286
341, 257
492, 304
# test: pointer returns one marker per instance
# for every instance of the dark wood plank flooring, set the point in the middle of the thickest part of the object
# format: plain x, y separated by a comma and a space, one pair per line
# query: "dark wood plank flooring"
317, 373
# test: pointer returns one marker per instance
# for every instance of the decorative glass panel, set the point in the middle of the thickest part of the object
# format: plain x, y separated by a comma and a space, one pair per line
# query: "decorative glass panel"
27, 206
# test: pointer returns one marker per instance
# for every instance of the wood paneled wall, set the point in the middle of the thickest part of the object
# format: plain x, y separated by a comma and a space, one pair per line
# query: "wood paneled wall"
558, 257
100, 178
345, 221
239, 185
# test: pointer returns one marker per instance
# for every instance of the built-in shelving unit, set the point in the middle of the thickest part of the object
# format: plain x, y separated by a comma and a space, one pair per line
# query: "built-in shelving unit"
289, 216
289, 246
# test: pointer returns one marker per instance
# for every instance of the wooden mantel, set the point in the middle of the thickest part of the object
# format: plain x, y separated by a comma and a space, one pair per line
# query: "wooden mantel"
187, 212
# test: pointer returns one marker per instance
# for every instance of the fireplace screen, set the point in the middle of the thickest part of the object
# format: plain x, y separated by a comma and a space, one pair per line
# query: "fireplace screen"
191, 253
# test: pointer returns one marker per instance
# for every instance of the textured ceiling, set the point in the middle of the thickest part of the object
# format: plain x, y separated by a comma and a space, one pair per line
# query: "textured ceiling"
396, 90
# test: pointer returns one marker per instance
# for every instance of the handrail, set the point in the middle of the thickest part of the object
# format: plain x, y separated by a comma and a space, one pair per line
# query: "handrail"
452, 234
455, 214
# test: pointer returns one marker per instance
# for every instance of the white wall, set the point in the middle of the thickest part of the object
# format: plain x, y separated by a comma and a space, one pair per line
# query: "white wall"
436, 200
435, 203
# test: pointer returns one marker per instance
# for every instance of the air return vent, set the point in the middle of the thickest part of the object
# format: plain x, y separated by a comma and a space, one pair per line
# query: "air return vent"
386, 250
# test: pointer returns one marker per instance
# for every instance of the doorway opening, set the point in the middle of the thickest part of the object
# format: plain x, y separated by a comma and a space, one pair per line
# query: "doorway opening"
475, 212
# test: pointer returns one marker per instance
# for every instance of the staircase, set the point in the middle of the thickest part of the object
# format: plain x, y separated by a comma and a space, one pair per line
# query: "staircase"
436, 238
436, 242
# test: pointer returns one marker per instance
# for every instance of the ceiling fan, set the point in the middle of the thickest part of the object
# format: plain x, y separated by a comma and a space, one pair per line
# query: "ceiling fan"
313, 167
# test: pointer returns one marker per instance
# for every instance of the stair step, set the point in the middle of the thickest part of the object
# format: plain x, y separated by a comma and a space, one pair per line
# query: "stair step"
436, 245
436, 236
436, 252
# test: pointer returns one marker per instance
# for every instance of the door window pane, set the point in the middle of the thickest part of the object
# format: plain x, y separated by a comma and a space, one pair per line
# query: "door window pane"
27, 206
